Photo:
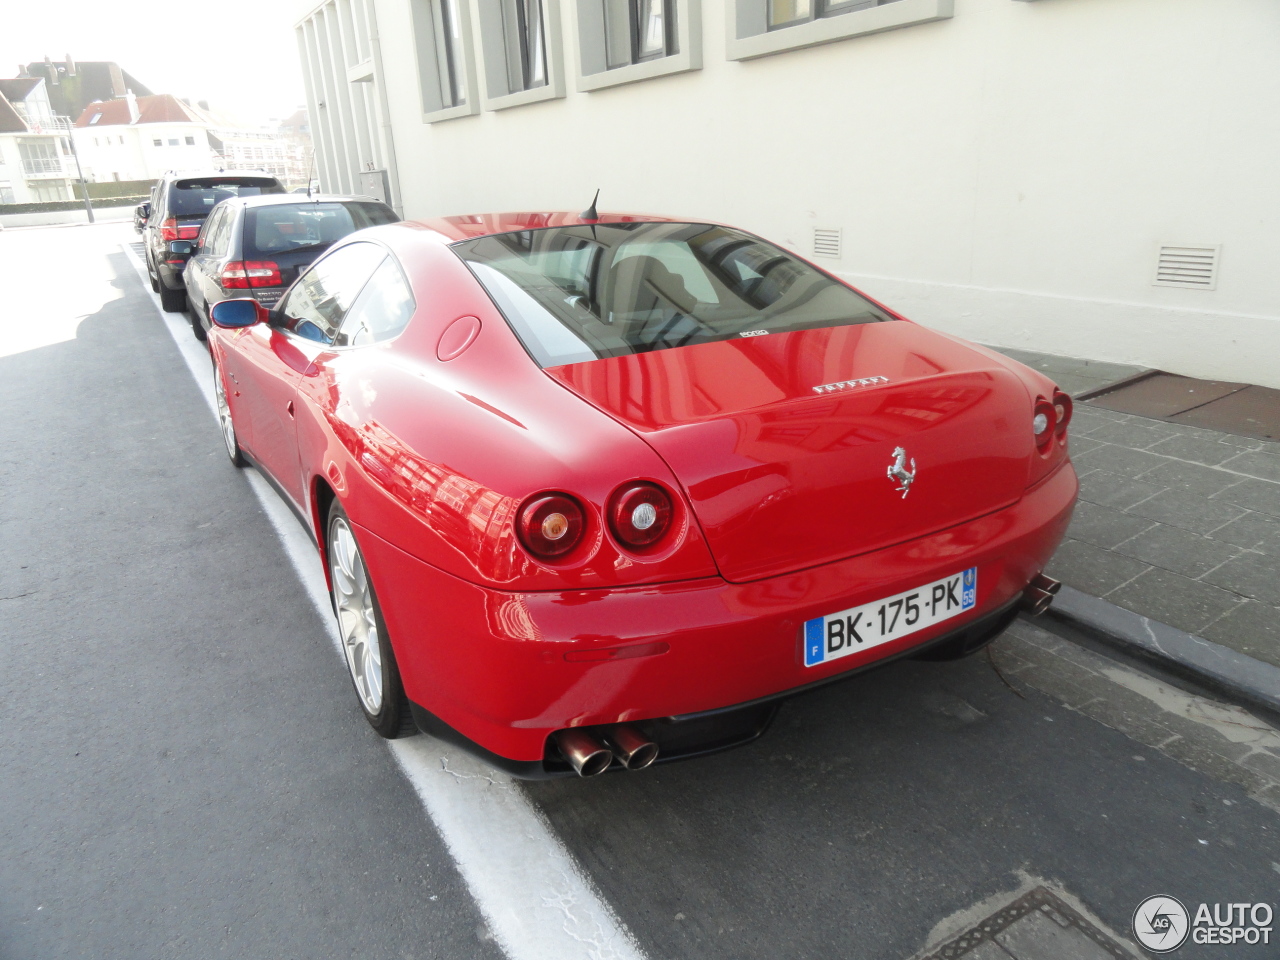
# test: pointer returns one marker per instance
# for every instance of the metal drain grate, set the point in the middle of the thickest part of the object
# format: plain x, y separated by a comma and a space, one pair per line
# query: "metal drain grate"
998, 929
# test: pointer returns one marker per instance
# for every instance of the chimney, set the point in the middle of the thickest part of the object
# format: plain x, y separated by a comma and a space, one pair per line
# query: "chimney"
71, 66
203, 104
133, 106
50, 70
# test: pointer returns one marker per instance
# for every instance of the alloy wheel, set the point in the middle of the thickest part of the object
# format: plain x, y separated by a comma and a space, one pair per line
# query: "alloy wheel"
224, 417
357, 623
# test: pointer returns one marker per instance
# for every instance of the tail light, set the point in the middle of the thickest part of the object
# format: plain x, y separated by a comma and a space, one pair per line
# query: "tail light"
550, 525
639, 514
243, 274
1043, 423
169, 230
1062, 408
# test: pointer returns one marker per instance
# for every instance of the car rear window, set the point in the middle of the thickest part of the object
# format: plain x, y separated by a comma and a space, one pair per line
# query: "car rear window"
613, 289
190, 198
307, 225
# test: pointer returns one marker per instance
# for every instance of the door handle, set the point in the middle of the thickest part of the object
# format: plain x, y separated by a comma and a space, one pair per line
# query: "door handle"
289, 407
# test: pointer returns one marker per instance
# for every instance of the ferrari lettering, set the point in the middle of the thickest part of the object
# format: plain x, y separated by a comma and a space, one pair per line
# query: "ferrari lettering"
861, 628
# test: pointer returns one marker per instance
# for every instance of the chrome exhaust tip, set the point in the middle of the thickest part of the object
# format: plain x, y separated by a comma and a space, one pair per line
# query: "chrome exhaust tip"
1036, 601
633, 748
1047, 584
588, 755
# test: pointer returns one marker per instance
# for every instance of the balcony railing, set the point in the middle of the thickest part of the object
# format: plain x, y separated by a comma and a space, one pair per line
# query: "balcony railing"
44, 167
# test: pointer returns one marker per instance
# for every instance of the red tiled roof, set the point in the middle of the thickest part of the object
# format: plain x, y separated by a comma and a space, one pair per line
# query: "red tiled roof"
160, 108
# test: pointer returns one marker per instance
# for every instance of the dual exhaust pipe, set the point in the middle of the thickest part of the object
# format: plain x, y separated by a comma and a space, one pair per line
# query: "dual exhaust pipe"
1039, 594
590, 755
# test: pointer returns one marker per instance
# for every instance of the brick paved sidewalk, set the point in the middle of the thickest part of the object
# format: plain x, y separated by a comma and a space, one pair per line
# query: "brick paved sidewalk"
1177, 523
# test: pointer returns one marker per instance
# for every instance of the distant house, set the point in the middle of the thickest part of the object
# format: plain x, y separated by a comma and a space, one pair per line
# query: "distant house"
73, 86
141, 138
35, 151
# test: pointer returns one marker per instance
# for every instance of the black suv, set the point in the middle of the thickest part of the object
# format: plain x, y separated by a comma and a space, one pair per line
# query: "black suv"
177, 210
257, 246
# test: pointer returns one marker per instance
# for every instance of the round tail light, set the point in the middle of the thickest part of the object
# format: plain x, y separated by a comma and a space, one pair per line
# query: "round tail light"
550, 525
1043, 422
1062, 407
639, 514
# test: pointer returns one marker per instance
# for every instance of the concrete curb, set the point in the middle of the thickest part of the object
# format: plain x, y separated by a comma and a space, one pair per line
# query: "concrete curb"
1234, 674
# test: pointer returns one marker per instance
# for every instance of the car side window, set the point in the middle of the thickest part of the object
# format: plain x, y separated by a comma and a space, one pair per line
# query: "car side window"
321, 298
221, 240
381, 311
208, 236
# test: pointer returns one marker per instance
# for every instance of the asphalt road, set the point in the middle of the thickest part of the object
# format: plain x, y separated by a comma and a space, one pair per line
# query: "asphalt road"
184, 771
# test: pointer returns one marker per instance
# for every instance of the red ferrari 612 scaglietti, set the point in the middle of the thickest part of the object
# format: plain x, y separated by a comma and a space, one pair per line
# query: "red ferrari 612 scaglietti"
592, 492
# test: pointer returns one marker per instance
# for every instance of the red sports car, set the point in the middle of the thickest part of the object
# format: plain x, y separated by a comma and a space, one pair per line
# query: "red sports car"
595, 491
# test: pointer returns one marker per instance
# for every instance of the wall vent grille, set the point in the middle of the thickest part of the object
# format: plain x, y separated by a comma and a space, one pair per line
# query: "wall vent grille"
1184, 266
826, 242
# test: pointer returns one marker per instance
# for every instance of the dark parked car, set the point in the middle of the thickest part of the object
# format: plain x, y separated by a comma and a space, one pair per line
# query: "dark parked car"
140, 214
256, 246
178, 208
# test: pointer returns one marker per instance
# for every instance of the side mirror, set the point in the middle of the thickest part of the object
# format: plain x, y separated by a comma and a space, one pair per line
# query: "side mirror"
232, 314
181, 248
144, 209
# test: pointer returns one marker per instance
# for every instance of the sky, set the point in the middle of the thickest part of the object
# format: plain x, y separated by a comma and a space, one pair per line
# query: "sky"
240, 55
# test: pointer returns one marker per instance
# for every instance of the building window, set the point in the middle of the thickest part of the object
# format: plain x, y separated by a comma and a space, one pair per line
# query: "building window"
520, 47
446, 68
622, 41
637, 30
157, 143
757, 28
191, 141
173, 141
121, 139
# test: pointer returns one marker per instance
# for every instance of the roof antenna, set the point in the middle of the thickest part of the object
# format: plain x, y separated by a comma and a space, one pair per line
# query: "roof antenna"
311, 169
590, 214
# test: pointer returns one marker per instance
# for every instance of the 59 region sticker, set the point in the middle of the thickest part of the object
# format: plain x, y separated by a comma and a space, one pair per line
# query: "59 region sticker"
838, 635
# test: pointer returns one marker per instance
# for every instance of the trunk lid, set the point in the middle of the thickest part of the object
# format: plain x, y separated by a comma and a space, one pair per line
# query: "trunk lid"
782, 476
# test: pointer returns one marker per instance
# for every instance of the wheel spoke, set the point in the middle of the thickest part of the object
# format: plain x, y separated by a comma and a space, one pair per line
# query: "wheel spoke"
357, 622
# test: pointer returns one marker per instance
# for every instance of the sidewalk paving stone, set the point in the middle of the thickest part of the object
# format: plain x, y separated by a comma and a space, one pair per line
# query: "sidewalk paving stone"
1254, 530
1108, 489
1093, 569
1197, 449
1260, 495
1171, 548
1172, 598
1104, 526
1252, 628
1255, 463
1124, 461
1251, 575
1189, 512
1191, 477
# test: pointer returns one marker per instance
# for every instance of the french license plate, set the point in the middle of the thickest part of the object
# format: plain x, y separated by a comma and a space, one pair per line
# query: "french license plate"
860, 628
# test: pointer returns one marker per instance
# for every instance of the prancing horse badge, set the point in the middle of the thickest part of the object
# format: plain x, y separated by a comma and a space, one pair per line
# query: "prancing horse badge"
898, 471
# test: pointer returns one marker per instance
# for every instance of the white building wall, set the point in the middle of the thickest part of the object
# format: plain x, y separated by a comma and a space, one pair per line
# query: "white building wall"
1007, 174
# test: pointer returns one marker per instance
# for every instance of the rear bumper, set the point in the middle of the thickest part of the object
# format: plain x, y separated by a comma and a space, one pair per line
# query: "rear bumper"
490, 666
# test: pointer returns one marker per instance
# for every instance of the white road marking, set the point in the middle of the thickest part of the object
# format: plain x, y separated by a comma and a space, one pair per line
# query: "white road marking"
538, 903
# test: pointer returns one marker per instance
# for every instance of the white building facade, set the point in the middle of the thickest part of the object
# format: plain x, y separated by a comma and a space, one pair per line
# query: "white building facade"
36, 162
1092, 178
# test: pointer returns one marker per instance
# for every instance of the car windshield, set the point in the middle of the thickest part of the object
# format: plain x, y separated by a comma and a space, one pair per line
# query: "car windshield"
284, 227
190, 198
613, 289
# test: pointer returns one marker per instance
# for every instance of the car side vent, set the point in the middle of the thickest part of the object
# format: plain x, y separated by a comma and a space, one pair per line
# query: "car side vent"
1195, 267
826, 242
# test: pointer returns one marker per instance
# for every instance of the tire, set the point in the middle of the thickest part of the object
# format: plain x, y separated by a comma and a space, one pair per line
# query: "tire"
196, 326
363, 633
172, 301
151, 275
224, 419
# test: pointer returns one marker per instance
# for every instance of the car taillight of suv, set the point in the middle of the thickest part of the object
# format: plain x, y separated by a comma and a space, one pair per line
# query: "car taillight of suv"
169, 230
243, 274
